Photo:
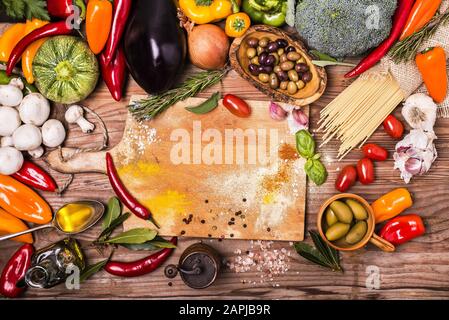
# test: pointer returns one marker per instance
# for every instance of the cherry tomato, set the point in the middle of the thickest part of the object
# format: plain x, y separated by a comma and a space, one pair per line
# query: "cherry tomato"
375, 152
365, 171
236, 106
346, 178
393, 127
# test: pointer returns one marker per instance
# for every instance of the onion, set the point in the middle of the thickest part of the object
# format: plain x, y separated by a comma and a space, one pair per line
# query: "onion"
208, 46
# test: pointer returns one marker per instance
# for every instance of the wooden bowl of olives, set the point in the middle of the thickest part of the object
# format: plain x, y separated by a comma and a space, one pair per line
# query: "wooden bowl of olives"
346, 222
277, 65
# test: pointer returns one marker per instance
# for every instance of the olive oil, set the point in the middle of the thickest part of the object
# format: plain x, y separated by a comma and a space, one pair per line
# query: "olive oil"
74, 216
49, 264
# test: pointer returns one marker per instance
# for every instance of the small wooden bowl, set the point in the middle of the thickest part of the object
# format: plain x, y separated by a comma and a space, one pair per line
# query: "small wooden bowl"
239, 62
370, 236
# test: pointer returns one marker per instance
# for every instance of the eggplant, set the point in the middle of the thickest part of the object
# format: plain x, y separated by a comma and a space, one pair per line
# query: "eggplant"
155, 45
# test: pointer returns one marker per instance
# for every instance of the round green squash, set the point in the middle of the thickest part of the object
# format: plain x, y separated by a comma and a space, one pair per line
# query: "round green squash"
65, 69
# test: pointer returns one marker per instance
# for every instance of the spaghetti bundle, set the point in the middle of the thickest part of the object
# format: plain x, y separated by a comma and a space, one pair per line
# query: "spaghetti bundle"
356, 113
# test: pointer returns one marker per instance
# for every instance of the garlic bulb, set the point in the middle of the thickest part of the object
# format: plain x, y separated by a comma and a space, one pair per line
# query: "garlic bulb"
415, 153
297, 120
420, 111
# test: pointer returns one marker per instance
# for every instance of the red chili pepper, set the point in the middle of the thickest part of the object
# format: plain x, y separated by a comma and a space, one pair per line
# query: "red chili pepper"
399, 21
402, 229
236, 106
49, 30
142, 266
393, 127
62, 8
122, 9
123, 194
114, 73
34, 176
365, 171
15, 270
375, 152
346, 178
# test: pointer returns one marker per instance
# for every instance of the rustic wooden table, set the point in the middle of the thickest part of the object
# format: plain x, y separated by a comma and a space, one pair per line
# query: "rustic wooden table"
418, 269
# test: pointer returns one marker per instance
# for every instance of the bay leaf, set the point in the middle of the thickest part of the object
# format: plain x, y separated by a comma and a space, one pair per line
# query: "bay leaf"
114, 224
134, 236
112, 213
155, 244
92, 269
207, 106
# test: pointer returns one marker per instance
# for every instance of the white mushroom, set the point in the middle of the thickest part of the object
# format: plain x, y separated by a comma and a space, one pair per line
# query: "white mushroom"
34, 109
9, 121
10, 95
37, 153
17, 82
27, 137
11, 160
6, 142
75, 114
53, 133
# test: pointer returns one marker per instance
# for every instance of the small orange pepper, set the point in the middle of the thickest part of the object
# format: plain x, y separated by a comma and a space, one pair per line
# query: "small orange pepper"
30, 52
237, 24
9, 39
22, 202
391, 204
10, 224
432, 66
98, 24
422, 12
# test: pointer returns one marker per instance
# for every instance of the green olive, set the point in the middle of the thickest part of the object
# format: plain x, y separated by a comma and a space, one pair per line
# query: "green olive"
264, 42
283, 58
255, 60
264, 77
260, 50
342, 211
300, 84
277, 69
251, 52
357, 232
287, 65
276, 56
280, 51
293, 56
293, 75
283, 85
358, 210
337, 231
301, 60
330, 216
274, 81
341, 243
292, 88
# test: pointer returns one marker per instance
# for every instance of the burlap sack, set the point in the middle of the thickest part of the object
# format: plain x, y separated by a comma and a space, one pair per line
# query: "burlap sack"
407, 74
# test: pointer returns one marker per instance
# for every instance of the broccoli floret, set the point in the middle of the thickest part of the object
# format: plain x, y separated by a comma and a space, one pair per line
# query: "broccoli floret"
342, 28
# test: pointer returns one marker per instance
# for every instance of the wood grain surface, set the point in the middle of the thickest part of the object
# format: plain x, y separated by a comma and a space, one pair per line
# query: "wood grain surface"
417, 270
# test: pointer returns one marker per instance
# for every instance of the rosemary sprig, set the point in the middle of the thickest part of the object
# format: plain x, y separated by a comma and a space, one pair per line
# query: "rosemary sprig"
407, 49
322, 254
153, 105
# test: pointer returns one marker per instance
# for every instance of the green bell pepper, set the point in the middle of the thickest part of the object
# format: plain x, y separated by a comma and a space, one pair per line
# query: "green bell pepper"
269, 12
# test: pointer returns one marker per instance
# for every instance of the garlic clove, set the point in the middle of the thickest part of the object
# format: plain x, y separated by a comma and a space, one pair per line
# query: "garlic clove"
413, 166
297, 120
277, 112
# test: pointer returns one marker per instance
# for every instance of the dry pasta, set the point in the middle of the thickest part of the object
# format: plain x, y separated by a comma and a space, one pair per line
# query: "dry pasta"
354, 115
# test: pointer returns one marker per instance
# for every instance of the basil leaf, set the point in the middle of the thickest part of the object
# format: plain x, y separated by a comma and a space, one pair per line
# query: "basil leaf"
155, 244
305, 144
114, 224
324, 63
91, 270
112, 213
316, 171
139, 235
207, 106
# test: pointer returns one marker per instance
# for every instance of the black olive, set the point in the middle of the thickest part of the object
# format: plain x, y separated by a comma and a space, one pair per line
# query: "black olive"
273, 47
252, 42
290, 49
263, 57
254, 69
282, 43
301, 67
306, 76
270, 60
267, 69
282, 75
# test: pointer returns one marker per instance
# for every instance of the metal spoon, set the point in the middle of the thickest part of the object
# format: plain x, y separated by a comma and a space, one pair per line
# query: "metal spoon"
98, 213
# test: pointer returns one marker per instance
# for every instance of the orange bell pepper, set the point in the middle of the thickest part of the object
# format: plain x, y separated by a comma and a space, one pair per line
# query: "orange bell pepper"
22, 202
391, 204
10, 224
422, 12
432, 66
30, 52
9, 39
237, 24
98, 24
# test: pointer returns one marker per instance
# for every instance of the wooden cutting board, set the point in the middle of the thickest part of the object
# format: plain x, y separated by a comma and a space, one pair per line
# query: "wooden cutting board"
212, 175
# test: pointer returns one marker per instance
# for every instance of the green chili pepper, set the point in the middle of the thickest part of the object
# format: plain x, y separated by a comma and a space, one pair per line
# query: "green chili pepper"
27, 88
269, 12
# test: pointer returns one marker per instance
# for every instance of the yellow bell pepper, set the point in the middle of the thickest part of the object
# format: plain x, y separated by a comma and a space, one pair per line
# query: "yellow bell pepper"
10, 224
30, 52
9, 39
205, 11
